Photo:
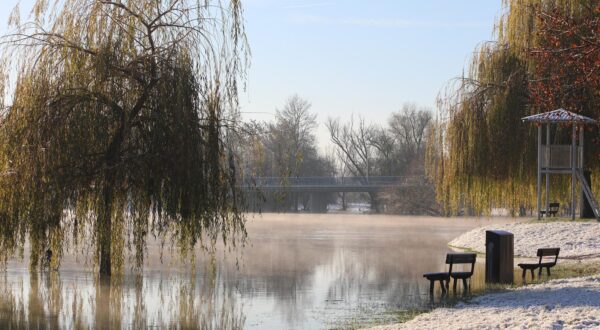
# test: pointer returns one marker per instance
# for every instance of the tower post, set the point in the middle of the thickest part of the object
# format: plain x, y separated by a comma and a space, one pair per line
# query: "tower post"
573, 169
539, 173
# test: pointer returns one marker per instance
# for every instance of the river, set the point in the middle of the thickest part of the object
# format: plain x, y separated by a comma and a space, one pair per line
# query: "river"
299, 271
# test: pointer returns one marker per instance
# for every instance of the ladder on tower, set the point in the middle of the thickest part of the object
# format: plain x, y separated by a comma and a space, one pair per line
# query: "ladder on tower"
588, 193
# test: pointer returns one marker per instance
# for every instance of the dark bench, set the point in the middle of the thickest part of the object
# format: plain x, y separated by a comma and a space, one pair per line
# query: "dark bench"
444, 277
541, 253
552, 209
461, 258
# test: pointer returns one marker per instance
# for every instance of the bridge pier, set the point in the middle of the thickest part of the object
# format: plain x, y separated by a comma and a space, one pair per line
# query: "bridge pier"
374, 202
318, 202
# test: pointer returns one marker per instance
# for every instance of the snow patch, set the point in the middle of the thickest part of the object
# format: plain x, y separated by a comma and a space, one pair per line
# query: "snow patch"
559, 304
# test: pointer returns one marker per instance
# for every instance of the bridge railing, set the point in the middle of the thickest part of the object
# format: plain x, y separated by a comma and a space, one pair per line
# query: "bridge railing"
333, 181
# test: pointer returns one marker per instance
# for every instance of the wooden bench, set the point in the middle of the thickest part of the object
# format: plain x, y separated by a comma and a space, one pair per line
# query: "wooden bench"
552, 209
461, 258
444, 277
541, 253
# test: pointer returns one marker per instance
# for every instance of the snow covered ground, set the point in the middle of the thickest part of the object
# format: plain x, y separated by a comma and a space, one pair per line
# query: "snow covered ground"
558, 304
575, 239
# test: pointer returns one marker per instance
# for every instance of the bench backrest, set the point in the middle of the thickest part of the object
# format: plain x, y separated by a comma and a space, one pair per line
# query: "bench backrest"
461, 258
548, 252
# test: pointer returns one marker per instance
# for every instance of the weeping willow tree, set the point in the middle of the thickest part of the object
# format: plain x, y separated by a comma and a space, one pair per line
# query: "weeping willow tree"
115, 126
480, 154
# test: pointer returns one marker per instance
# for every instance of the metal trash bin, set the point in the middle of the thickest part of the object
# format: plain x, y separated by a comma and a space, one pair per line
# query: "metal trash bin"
499, 257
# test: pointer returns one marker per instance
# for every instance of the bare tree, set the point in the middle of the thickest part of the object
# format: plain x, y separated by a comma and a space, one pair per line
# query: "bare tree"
409, 129
290, 138
292, 135
368, 150
385, 145
354, 146
285, 148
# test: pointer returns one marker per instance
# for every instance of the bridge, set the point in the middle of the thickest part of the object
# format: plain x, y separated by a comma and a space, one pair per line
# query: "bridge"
331, 184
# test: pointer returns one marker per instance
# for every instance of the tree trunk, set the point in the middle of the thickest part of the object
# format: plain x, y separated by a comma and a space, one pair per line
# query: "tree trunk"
374, 202
105, 230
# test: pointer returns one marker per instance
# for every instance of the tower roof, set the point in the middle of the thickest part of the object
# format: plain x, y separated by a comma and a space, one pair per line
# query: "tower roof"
558, 116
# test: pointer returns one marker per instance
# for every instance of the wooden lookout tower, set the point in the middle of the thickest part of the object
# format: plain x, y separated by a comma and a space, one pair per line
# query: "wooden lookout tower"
562, 159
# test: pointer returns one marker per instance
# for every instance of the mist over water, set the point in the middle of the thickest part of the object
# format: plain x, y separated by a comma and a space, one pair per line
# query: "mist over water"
297, 271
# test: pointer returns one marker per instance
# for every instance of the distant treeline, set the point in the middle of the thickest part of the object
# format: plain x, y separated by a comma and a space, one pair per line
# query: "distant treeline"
287, 147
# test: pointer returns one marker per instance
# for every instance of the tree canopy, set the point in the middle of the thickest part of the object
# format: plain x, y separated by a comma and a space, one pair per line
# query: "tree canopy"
546, 55
115, 126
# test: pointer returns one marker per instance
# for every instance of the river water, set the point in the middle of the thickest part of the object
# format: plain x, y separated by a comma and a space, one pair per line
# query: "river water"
296, 272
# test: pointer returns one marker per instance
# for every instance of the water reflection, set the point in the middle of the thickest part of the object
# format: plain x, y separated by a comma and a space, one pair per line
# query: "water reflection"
52, 301
310, 271
299, 271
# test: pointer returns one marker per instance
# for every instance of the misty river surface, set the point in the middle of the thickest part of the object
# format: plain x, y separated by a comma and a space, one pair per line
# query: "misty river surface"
301, 271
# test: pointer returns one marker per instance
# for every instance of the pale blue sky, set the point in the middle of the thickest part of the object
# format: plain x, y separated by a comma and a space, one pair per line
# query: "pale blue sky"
353, 57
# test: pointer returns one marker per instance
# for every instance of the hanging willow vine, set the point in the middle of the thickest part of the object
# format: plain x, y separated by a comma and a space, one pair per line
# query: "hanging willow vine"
115, 127
480, 155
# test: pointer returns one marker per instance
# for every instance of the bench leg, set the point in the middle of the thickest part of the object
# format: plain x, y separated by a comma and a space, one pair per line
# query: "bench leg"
443, 286
454, 286
431, 284
540, 273
548, 271
448, 285
524, 273
532, 274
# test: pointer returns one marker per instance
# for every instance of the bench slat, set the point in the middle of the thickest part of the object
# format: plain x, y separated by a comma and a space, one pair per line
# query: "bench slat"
460, 258
548, 252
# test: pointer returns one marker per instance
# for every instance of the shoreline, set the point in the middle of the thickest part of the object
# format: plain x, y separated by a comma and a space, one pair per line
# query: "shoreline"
571, 303
570, 298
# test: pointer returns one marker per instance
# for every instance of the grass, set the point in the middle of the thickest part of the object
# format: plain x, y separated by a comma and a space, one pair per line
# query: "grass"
389, 317
575, 269
558, 219
467, 250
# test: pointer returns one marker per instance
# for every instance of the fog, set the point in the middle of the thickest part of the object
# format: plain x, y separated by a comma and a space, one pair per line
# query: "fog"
296, 271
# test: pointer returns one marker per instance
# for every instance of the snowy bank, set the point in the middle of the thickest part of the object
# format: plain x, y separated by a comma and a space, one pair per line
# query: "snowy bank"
558, 304
575, 239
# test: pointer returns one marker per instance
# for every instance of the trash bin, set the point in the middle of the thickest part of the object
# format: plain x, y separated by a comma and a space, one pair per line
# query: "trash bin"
499, 257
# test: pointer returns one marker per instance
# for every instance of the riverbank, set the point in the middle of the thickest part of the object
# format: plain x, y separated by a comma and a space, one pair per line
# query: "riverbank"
570, 303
